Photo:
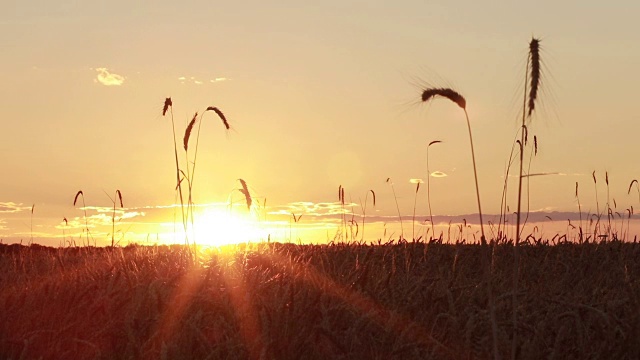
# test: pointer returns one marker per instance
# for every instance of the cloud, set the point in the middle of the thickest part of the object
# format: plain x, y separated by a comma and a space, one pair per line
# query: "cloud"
416, 181
102, 217
196, 81
11, 207
438, 174
310, 209
109, 79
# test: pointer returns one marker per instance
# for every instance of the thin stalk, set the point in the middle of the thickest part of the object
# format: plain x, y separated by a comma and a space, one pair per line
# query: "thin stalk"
516, 255
413, 219
475, 176
579, 211
398, 208
175, 150
597, 226
364, 209
32, 207
433, 230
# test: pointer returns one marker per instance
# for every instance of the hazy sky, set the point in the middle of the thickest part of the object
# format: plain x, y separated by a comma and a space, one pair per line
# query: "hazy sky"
318, 94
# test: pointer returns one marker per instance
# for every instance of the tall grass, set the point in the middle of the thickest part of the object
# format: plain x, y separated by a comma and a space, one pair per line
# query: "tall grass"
388, 181
84, 208
117, 197
188, 173
415, 203
455, 97
533, 78
433, 230
168, 105
364, 209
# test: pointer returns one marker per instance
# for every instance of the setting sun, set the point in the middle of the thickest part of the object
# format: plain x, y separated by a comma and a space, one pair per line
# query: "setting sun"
217, 227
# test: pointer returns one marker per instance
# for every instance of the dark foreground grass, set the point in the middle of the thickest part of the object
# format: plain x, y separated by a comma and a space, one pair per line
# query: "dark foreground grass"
407, 301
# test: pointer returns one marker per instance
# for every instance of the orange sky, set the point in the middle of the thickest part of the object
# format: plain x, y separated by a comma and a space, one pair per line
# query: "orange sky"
318, 96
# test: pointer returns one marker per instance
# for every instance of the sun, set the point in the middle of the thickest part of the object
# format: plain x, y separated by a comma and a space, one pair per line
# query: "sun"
217, 227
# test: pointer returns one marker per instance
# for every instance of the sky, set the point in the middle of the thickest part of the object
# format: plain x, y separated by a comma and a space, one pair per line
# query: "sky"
319, 95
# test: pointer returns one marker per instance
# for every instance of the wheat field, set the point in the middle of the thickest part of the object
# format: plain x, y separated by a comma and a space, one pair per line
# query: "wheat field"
343, 301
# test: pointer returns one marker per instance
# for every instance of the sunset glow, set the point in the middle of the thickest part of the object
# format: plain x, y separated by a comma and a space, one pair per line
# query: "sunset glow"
222, 227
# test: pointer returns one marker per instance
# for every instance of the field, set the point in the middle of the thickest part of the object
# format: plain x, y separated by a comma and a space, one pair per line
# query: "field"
285, 301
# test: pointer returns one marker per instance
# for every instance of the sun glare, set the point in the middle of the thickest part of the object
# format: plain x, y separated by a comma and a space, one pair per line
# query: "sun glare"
214, 227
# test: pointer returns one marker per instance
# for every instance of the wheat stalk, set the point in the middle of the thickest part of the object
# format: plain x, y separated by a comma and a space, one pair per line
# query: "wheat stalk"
462, 103
433, 230
580, 211
397, 207
245, 191
84, 207
113, 217
415, 201
364, 209
532, 73
32, 207
168, 105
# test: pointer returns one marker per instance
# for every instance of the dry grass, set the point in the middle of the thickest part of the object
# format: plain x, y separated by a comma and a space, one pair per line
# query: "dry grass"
410, 301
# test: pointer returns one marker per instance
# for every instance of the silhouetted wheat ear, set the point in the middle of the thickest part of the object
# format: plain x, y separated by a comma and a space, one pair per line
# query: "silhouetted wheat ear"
374, 197
119, 197
444, 92
167, 103
245, 192
76, 198
221, 115
534, 64
631, 184
187, 132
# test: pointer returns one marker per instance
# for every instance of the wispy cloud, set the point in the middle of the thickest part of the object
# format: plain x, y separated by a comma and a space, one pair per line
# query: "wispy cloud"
107, 78
438, 174
196, 81
310, 209
11, 207
102, 217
